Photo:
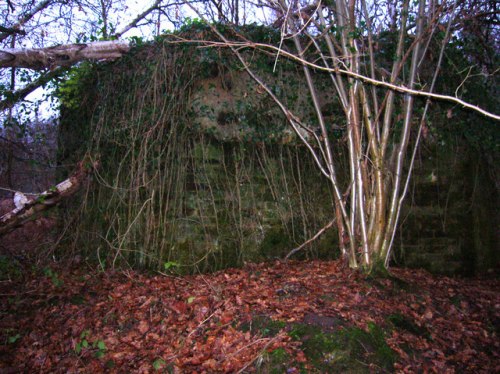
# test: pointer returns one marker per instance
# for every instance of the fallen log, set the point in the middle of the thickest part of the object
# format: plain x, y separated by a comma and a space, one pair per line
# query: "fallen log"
47, 199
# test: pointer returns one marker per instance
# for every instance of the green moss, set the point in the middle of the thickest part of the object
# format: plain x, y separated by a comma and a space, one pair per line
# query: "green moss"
276, 243
77, 299
377, 270
207, 153
350, 350
9, 269
401, 322
264, 326
274, 362
328, 245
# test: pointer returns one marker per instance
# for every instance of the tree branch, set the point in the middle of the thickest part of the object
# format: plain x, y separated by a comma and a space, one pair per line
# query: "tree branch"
310, 240
47, 199
364, 78
11, 31
141, 16
41, 6
62, 55
16, 96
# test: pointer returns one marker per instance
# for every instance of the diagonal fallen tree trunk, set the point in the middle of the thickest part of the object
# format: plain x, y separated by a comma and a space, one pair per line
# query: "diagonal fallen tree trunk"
47, 199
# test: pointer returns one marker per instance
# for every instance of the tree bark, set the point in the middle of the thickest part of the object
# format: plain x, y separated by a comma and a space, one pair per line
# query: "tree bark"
47, 199
62, 55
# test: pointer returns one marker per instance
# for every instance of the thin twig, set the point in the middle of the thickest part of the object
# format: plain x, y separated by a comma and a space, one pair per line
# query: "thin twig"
316, 236
257, 356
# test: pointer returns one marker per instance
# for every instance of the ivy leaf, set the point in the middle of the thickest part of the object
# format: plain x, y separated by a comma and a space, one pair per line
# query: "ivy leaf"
13, 339
170, 264
158, 364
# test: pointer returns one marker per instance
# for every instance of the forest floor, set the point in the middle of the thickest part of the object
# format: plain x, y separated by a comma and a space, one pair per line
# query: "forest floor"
270, 318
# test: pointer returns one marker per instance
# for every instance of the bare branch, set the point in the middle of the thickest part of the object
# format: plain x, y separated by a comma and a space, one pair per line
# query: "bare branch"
364, 78
41, 6
310, 240
11, 31
156, 5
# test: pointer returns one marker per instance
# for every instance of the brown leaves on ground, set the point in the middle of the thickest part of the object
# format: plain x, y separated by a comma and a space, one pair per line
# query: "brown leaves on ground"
75, 321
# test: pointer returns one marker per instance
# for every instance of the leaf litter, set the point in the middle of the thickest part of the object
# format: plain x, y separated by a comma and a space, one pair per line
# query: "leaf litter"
135, 322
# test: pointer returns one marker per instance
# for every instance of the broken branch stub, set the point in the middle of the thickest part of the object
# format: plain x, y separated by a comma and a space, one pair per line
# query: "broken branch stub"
47, 199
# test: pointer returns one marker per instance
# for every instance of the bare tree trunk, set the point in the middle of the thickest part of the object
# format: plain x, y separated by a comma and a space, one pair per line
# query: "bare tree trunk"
400, 150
